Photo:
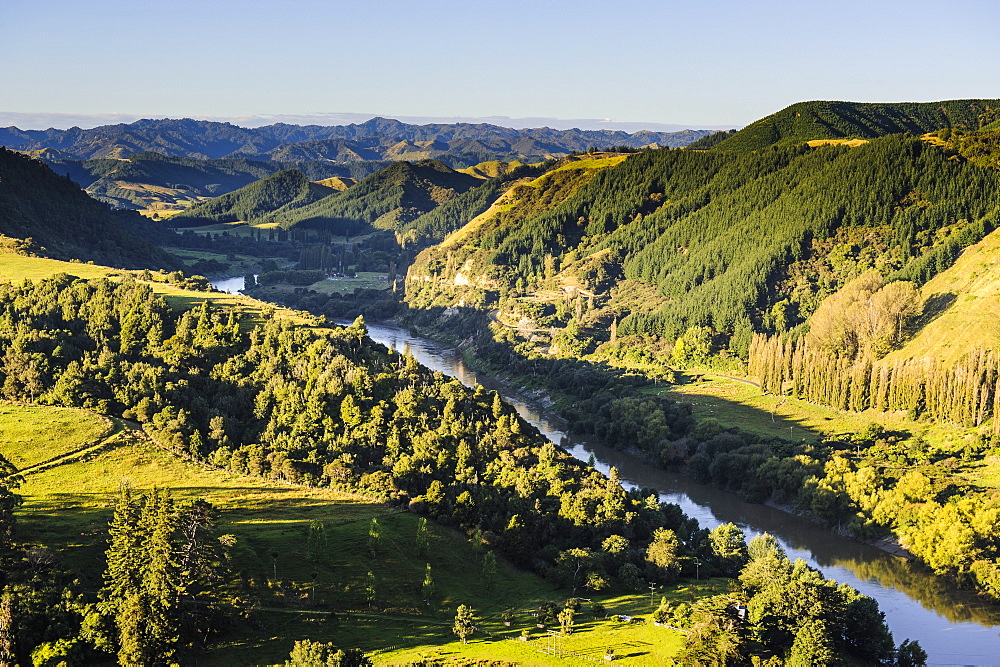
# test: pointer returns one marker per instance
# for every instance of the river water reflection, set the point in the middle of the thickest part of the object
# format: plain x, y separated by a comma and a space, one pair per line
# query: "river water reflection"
231, 285
953, 626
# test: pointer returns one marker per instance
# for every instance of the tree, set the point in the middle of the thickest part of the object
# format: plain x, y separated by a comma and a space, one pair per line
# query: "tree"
662, 554
307, 653
374, 537
566, 617
489, 571
159, 554
316, 543
573, 565
729, 547
464, 623
812, 646
910, 654
423, 537
427, 587
7, 630
370, 589
764, 545
9, 501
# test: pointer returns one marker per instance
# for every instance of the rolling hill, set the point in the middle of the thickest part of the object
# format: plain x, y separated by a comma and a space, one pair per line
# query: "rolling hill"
736, 242
804, 121
164, 184
387, 200
257, 202
64, 223
963, 311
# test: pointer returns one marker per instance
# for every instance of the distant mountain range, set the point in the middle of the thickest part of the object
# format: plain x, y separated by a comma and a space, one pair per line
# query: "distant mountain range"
376, 139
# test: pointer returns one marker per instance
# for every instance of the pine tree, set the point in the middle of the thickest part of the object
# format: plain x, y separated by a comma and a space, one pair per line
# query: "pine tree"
464, 624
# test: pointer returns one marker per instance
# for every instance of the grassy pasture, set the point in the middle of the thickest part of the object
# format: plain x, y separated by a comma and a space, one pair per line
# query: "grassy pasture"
364, 280
232, 228
306, 552
242, 263
963, 322
853, 143
31, 434
736, 403
15, 268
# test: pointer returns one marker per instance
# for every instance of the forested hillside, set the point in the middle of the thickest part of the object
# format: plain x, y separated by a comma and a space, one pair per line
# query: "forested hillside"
388, 199
166, 184
63, 222
805, 121
734, 242
260, 201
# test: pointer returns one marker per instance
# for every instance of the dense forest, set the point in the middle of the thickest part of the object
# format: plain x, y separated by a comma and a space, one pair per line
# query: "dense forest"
734, 242
306, 405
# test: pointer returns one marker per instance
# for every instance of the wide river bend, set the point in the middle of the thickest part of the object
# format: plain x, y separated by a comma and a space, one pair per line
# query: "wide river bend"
952, 625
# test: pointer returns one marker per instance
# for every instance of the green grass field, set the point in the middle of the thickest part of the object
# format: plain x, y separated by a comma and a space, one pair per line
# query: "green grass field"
971, 320
232, 228
241, 263
364, 280
735, 403
16, 268
297, 579
31, 434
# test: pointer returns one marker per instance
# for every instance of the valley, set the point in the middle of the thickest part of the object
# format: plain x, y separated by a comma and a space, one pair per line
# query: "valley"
623, 379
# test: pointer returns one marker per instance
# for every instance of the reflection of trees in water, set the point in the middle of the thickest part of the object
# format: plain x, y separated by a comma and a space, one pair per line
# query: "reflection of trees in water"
933, 593
864, 561
827, 549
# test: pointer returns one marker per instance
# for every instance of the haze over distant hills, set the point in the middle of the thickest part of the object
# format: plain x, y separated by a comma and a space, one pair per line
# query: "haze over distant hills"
376, 139
43, 120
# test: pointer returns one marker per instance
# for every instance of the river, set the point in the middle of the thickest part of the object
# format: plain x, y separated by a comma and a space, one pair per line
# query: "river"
232, 285
952, 625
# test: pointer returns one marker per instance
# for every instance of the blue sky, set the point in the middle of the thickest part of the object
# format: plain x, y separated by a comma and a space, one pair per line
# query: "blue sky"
707, 63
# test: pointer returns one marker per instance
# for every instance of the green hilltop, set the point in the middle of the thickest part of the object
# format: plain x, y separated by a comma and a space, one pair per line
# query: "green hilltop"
387, 199
805, 121
259, 201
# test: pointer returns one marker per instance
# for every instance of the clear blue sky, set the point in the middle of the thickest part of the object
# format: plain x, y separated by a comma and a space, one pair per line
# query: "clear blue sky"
709, 62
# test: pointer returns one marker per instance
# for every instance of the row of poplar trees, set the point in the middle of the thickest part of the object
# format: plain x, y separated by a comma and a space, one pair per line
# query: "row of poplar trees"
967, 392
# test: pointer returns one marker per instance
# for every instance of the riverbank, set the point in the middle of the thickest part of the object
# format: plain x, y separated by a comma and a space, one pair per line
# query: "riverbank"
916, 601
889, 544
